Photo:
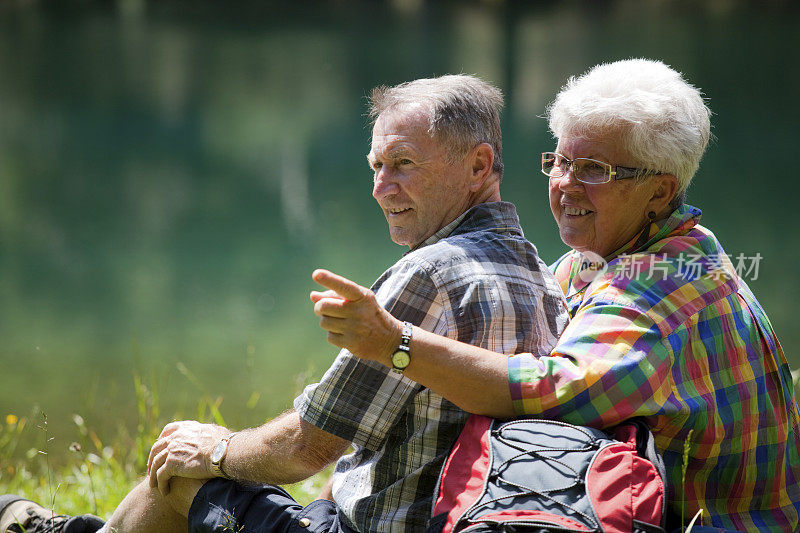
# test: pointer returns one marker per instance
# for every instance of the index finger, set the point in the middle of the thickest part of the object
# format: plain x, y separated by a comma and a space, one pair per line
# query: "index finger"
344, 287
154, 449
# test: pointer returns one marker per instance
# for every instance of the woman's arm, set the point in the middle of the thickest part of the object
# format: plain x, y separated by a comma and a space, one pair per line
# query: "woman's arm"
473, 378
611, 362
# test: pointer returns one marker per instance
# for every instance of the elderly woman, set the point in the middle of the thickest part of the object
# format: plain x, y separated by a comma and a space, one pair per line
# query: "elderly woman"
662, 326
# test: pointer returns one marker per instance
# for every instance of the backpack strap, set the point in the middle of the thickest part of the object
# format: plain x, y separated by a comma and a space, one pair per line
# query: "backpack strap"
645, 447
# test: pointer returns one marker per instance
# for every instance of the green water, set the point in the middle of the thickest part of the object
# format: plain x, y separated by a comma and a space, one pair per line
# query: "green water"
171, 173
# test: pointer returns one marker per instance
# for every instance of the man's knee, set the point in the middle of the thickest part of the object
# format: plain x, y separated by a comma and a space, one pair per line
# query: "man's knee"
145, 509
178, 500
182, 492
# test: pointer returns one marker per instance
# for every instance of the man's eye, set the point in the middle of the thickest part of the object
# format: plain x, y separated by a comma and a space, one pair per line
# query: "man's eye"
406, 162
376, 165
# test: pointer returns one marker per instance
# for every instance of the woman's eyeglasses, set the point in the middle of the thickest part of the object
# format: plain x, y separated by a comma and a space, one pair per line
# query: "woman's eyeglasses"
587, 170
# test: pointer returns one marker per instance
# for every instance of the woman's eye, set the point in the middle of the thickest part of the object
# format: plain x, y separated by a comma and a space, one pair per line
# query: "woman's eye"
590, 168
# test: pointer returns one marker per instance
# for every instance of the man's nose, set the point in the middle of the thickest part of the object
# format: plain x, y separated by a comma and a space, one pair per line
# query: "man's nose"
384, 184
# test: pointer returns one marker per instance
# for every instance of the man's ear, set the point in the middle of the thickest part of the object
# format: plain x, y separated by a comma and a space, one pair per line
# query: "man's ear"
666, 187
482, 161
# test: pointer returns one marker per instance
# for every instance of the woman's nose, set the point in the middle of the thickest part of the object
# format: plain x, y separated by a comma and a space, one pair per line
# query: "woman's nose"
567, 180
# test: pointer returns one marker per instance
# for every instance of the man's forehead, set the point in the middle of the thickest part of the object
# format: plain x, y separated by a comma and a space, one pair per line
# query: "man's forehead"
394, 149
409, 109
407, 117
395, 128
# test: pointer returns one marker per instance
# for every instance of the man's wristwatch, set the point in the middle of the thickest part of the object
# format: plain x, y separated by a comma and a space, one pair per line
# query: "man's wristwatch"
402, 356
218, 456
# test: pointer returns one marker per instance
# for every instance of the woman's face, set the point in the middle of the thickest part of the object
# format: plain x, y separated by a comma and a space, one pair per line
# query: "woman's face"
598, 218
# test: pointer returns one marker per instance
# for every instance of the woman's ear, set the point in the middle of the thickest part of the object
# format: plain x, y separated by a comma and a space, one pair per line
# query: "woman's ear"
665, 189
482, 161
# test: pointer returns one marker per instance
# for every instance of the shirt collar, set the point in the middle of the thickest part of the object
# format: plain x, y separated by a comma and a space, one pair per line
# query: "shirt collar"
678, 222
491, 215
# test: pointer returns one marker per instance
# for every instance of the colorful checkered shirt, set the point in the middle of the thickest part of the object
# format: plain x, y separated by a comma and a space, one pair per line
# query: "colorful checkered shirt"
478, 281
670, 331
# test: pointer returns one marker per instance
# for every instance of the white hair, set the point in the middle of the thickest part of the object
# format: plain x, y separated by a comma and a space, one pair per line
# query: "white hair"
660, 119
464, 111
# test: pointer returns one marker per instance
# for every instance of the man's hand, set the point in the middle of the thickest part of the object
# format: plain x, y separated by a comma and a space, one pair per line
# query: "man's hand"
354, 319
183, 449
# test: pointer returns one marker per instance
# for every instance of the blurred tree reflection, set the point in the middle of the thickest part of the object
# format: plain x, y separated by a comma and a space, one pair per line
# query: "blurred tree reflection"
171, 172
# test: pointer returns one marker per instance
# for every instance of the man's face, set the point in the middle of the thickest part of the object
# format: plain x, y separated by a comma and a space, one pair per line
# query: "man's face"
417, 188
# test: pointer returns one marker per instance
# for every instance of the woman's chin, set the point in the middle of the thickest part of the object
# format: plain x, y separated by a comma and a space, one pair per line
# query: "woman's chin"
575, 240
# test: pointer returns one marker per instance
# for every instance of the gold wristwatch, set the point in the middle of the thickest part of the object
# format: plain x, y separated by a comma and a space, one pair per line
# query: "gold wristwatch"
218, 456
401, 358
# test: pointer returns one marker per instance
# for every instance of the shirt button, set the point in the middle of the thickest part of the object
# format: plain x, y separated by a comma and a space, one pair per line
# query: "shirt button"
304, 522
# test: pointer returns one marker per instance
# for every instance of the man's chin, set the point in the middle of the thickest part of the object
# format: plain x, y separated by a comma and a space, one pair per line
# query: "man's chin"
404, 239
399, 237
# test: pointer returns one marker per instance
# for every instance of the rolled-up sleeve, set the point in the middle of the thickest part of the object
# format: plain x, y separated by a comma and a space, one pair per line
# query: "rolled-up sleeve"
610, 364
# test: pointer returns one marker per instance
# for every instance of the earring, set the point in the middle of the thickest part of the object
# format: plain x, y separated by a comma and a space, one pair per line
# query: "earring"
651, 215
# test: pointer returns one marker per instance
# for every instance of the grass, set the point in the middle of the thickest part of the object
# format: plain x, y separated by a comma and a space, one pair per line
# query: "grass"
90, 474
95, 475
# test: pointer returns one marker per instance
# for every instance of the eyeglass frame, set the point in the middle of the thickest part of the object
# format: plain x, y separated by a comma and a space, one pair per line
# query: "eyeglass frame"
613, 170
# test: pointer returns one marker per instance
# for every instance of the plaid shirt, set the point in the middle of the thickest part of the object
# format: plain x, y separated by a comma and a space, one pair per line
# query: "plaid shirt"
671, 332
478, 281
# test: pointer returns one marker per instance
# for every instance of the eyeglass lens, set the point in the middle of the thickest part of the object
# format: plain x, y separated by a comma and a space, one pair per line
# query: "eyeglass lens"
585, 170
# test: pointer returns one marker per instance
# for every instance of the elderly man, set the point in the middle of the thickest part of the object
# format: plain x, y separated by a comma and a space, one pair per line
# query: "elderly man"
470, 275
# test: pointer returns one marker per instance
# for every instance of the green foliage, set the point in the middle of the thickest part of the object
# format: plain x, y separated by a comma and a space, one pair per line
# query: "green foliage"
796, 381
697, 515
95, 475
684, 466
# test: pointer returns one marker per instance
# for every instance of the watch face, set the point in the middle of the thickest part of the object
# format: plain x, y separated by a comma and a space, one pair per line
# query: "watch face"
218, 452
400, 359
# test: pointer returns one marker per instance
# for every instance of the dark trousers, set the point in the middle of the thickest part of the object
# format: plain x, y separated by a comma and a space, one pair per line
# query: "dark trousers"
227, 506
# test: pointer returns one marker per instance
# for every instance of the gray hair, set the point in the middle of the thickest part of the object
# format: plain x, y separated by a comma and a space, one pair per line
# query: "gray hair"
661, 120
464, 111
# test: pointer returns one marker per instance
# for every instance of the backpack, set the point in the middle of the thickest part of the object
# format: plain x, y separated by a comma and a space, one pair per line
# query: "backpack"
541, 476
